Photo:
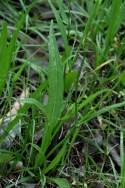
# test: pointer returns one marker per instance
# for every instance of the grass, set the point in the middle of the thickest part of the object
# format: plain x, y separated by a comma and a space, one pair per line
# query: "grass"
62, 93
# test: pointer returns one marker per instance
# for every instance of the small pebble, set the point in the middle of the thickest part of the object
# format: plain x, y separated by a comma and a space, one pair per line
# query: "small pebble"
19, 165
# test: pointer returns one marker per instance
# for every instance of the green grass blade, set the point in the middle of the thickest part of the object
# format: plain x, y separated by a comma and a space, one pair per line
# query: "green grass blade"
12, 44
88, 100
88, 26
90, 20
34, 102
36, 94
18, 74
7, 50
62, 11
37, 68
122, 155
92, 115
113, 25
61, 27
56, 160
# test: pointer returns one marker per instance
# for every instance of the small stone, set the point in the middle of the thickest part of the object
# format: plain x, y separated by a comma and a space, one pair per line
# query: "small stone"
19, 165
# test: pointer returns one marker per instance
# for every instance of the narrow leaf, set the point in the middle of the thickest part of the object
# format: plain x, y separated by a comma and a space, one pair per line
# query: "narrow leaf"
61, 26
55, 94
56, 160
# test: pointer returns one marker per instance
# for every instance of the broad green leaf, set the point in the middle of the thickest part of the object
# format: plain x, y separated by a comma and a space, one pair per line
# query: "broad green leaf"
3, 64
5, 157
55, 93
61, 182
3, 38
56, 82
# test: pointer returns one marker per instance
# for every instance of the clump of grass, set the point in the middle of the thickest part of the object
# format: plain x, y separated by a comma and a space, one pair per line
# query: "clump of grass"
69, 56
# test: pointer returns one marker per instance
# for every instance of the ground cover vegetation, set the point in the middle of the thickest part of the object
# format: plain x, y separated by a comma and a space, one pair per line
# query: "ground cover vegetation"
62, 93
